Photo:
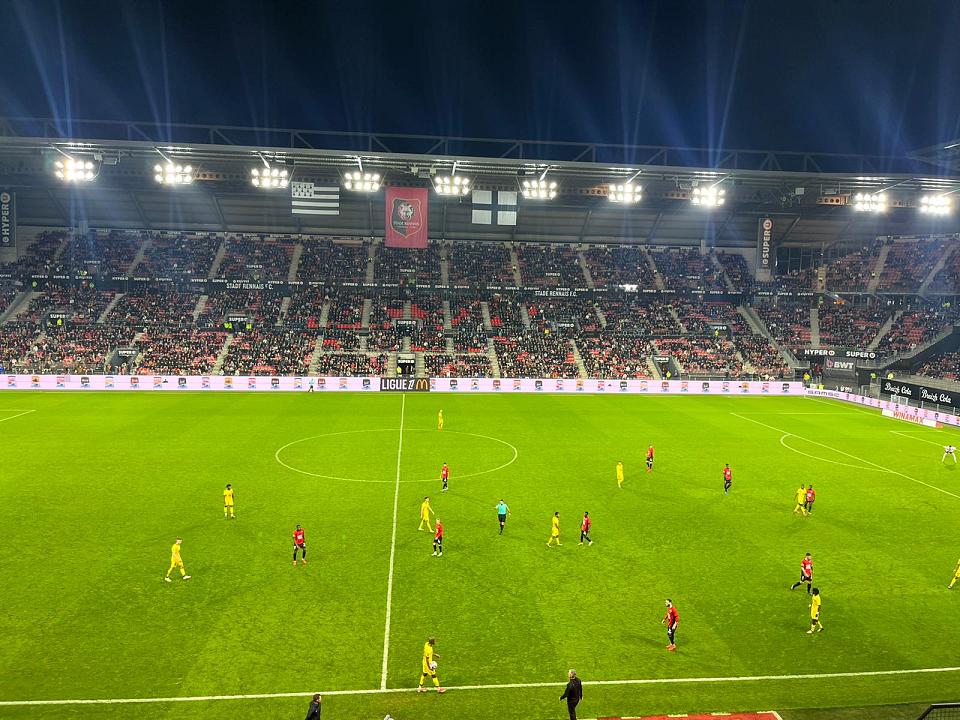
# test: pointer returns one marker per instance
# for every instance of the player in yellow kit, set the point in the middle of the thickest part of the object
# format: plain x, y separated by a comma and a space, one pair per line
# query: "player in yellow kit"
425, 511
176, 562
956, 576
620, 473
815, 603
554, 530
429, 666
228, 502
801, 497
440, 420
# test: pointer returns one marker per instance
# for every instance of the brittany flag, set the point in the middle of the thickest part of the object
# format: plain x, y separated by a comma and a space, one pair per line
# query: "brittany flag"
309, 199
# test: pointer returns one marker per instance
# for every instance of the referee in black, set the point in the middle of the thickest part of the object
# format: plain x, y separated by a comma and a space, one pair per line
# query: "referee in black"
572, 693
313, 713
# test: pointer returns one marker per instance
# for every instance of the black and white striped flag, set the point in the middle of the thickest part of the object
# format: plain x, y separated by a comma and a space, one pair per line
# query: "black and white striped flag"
494, 207
309, 199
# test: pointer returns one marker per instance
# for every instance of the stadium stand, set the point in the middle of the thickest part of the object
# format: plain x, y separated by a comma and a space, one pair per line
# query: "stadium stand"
846, 325
612, 266
269, 352
908, 263
480, 264
176, 255
852, 272
701, 356
788, 321
347, 364
687, 270
331, 262
154, 306
446, 365
549, 266
944, 367
256, 258
408, 267
918, 325
166, 351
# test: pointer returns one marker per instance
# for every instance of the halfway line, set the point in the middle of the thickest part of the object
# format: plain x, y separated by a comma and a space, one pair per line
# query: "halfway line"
393, 552
504, 686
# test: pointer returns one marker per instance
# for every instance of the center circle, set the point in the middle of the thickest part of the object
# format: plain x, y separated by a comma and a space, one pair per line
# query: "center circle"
339, 449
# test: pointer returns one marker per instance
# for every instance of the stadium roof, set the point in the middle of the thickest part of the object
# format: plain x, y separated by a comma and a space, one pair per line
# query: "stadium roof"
806, 191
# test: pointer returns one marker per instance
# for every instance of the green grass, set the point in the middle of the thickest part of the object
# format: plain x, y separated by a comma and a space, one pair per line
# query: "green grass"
95, 487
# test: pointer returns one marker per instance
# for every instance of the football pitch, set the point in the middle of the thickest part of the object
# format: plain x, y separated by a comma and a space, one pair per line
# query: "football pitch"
95, 487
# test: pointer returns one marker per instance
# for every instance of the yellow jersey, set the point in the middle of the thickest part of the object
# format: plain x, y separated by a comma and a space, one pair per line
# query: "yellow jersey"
228, 497
619, 471
175, 553
555, 529
815, 607
427, 657
801, 496
425, 510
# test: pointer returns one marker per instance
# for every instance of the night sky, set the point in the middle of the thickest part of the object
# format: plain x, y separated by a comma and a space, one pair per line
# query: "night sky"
851, 76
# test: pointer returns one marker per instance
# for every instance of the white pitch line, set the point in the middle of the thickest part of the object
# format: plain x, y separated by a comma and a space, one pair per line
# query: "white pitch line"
502, 686
911, 437
858, 459
25, 412
393, 552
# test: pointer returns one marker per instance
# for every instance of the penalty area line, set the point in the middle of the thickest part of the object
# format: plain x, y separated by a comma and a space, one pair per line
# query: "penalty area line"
503, 686
19, 414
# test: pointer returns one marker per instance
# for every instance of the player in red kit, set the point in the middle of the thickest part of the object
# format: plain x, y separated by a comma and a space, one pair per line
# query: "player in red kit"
650, 458
585, 529
727, 479
438, 540
671, 620
806, 573
299, 543
811, 498
445, 476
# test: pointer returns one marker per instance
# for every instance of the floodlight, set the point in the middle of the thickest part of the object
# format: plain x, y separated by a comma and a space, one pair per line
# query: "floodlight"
170, 174
451, 185
870, 202
708, 197
269, 178
626, 193
936, 205
361, 181
539, 189
75, 170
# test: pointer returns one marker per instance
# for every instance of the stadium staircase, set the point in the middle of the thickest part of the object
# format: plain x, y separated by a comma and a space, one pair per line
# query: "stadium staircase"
392, 365
19, 304
485, 312
878, 269
676, 317
447, 325
727, 282
657, 279
492, 355
760, 328
884, 329
815, 327
937, 267
201, 304
324, 314
294, 263
445, 268
284, 306
222, 355
138, 258
654, 370
525, 315
371, 263
365, 322
581, 258
407, 310
581, 368
217, 260
515, 266
109, 308
600, 316
317, 350
419, 364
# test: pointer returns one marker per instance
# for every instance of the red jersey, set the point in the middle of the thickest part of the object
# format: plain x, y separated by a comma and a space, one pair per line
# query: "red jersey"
672, 617
727, 475
439, 533
445, 472
811, 495
585, 525
650, 453
298, 537
806, 567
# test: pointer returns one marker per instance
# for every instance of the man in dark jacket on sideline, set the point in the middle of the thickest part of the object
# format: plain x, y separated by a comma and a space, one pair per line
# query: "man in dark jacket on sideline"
572, 693
314, 712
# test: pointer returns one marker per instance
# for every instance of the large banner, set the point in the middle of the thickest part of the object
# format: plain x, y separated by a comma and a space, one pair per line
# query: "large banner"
920, 393
764, 249
814, 354
406, 221
8, 219
265, 383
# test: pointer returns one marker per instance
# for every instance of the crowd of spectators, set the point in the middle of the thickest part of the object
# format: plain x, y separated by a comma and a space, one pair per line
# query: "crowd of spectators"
480, 264
406, 266
947, 279
687, 270
698, 315
908, 262
505, 314
846, 325
324, 260
788, 321
612, 355
563, 313
534, 353
262, 306
177, 255
944, 367
83, 304
549, 266
427, 310
459, 365
917, 326
16, 341
853, 272
306, 307
257, 258
178, 351
350, 364
76, 348
39, 257
792, 281
271, 351
702, 355
154, 306
612, 266
638, 317
735, 266
757, 351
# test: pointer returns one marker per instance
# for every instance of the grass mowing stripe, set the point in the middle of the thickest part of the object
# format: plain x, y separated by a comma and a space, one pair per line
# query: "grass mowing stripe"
393, 552
493, 686
868, 462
